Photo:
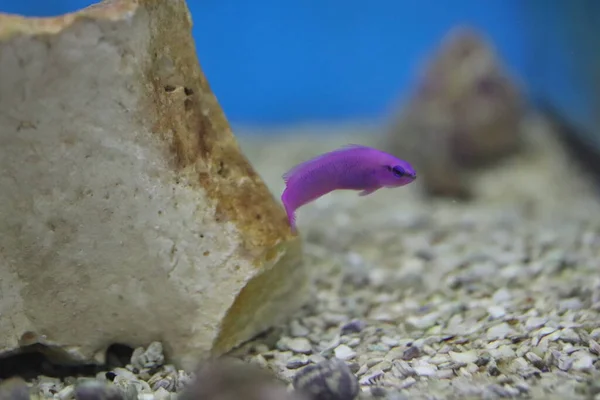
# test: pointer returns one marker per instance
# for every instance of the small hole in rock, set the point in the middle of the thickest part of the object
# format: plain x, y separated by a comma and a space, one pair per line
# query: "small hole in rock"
118, 355
169, 88
36, 360
31, 362
187, 104
222, 171
206, 253
188, 91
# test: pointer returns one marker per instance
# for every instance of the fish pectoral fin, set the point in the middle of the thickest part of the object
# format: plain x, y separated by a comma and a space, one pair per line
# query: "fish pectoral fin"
367, 191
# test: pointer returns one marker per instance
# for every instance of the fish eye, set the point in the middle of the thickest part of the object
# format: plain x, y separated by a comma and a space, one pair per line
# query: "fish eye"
398, 171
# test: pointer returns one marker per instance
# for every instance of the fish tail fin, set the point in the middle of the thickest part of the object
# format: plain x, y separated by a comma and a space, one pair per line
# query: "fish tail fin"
290, 211
292, 220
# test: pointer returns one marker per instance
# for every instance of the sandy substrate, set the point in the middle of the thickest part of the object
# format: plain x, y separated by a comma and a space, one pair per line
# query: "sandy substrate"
498, 297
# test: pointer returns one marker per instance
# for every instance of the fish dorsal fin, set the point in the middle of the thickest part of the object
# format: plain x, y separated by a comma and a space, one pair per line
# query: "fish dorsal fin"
303, 166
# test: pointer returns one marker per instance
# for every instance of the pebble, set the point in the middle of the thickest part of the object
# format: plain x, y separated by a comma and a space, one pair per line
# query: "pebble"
66, 393
410, 353
388, 341
570, 304
569, 336
496, 312
344, 352
297, 362
298, 330
298, 345
501, 296
162, 394
423, 322
499, 331
464, 357
535, 323
354, 326
583, 360
425, 369
502, 352
445, 374
150, 357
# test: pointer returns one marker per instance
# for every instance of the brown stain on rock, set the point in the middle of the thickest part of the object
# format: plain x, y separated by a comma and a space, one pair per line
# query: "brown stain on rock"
202, 144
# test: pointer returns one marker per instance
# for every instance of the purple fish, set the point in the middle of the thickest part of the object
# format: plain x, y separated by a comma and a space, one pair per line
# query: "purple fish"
352, 167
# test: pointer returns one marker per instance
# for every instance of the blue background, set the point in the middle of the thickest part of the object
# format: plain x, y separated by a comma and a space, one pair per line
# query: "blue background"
274, 62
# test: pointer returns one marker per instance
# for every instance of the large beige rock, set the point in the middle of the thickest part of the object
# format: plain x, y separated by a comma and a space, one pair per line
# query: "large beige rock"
128, 213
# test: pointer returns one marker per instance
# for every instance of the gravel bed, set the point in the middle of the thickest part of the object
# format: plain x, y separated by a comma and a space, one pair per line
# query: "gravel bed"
437, 299
430, 299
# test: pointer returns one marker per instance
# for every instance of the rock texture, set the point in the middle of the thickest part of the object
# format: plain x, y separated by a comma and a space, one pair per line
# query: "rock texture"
129, 213
465, 112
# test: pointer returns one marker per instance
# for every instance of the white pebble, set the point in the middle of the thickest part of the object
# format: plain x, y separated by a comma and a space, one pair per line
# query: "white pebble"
66, 393
425, 369
502, 352
424, 322
445, 374
496, 312
298, 330
570, 304
344, 352
299, 345
439, 359
162, 394
501, 296
499, 331
388, 341
583, 361
535, 323
464, 357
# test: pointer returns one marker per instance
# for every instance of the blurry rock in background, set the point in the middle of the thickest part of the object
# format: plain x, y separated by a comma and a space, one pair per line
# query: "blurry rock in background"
14, 389
583, 146
465, 113
230, 379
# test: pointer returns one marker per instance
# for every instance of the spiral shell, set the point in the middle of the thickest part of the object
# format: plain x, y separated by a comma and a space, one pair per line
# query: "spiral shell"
327, 380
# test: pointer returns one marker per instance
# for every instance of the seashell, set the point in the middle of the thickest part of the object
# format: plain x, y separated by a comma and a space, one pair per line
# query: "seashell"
329, 379
159, 380
152, 357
